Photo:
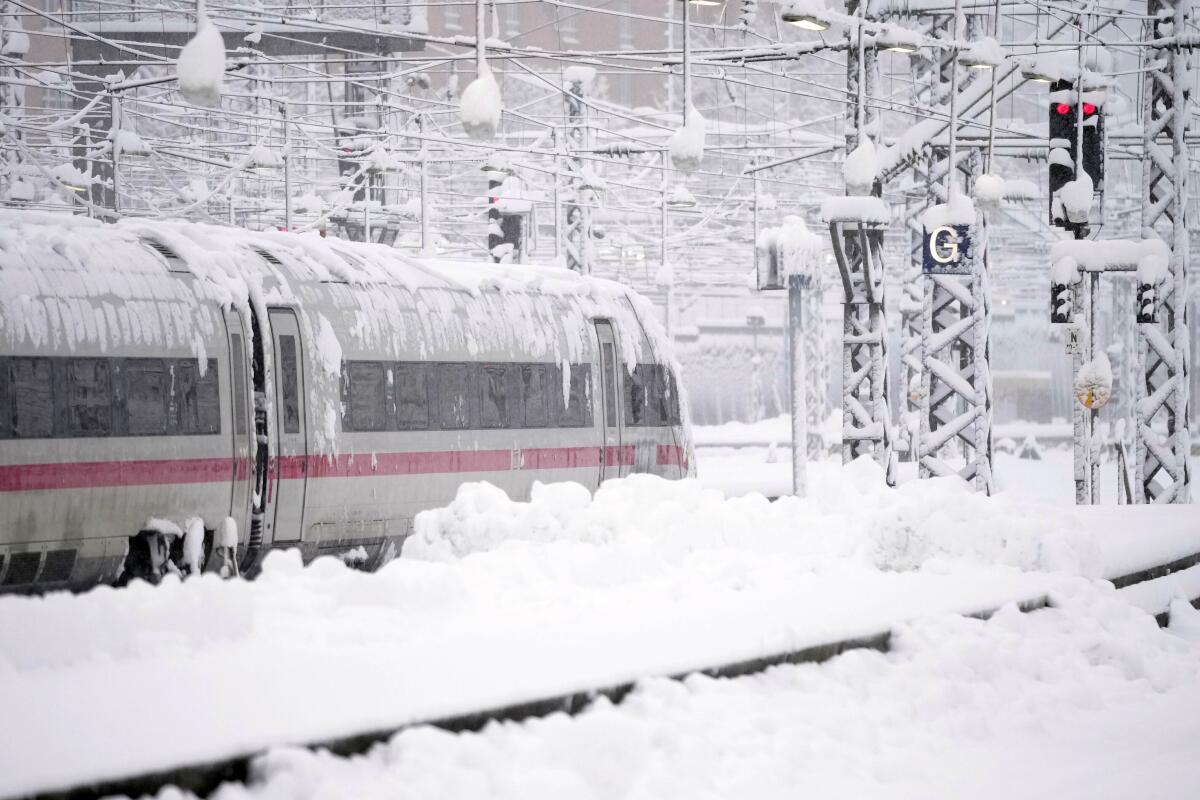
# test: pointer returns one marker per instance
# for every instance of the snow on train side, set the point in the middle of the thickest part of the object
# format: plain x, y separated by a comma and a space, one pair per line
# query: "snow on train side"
294, 391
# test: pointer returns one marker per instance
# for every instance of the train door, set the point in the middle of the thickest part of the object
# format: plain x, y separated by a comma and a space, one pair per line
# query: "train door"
610, 389
289, 473
241, 416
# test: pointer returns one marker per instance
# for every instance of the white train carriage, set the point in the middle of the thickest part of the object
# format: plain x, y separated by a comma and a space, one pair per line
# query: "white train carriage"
318, 393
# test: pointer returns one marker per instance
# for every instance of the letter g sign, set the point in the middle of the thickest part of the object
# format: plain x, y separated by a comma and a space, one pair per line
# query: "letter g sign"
947, 250
943, 244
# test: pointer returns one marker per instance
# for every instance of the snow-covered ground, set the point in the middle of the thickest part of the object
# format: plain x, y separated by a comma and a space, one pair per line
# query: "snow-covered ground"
1086, 700
768, 470
497, 602
778, 430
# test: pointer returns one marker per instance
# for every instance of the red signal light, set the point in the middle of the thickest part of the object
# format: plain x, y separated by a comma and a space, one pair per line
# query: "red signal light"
1089, 109
1063, 108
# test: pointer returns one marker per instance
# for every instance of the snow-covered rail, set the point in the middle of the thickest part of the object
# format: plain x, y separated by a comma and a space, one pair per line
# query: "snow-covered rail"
204, 778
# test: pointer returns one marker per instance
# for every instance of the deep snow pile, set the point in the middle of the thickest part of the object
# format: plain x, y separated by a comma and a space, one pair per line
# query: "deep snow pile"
850, 514
497, 603
1089, 699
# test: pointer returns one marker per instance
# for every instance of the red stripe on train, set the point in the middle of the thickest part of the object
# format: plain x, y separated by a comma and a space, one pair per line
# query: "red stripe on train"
670, 455
89, 474
98, 474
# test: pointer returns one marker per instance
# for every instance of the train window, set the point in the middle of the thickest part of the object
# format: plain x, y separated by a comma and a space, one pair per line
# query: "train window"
534, 392
453, 388
495, 395
291, 384
670, 398
238, 367
196, 397
147, 390
609, 359
660, 412
89, 397
578, 413
5, 402
639, 389
412, 398
183, 394
210, 399
367, 406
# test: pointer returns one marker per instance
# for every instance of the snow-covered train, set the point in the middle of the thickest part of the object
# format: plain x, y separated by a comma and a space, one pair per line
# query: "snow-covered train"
294, 391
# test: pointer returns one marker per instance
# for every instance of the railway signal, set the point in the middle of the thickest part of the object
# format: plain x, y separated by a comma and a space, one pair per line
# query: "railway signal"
1072, 127
1060, 303
506, 225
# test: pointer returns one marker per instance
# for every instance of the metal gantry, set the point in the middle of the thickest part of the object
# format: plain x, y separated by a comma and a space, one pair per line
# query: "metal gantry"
955, 382
1161, 459
929, 74
866, 416
956, 387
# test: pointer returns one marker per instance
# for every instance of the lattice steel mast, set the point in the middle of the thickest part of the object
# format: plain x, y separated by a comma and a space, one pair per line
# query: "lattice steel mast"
1161, 461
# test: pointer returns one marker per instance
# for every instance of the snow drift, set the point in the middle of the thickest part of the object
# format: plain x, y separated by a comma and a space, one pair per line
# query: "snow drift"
852, 514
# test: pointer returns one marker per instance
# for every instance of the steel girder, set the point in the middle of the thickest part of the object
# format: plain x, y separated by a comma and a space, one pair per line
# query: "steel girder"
866, 414
956, 386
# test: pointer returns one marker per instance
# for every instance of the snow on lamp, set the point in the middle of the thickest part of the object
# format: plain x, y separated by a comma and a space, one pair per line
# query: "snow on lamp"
809, 15
201, 64
480, 105
983, 54
861, 168
687, 143
895, 39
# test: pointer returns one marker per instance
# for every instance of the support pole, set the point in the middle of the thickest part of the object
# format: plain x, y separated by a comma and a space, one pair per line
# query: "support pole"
663, 253
423, 186
798, 381
578, 212
664, 222
687, 59
480, 37
287, 168
12, 97
114, 131
816, 362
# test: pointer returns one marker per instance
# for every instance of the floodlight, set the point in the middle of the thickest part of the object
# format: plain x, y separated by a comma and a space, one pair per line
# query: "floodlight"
806, 17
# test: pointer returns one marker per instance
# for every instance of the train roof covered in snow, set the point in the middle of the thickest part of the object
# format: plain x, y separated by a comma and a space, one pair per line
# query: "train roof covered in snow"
79, 286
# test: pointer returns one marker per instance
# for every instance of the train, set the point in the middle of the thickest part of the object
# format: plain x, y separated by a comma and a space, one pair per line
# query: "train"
171, 391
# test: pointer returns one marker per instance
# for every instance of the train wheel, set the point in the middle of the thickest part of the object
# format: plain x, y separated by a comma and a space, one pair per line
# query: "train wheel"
139, 563
148, 557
